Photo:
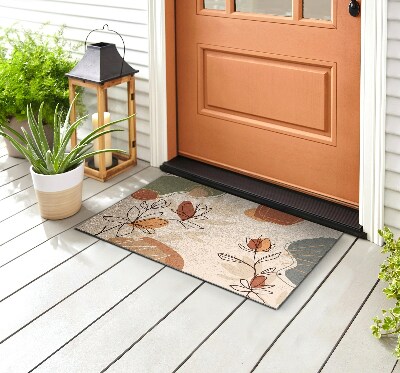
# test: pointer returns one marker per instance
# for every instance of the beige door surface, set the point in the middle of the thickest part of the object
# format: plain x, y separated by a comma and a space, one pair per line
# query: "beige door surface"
270, 88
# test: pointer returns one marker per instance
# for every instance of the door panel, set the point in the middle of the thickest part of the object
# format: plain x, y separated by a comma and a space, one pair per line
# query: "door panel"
284, 91
272, 97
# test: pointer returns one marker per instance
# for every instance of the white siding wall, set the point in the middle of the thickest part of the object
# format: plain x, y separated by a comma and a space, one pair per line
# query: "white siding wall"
392, 192
128, 17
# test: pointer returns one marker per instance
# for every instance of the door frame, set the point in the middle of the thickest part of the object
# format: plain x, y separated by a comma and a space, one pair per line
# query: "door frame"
162, 97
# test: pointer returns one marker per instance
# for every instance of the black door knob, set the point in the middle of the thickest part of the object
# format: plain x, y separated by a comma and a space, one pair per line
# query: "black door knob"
354, 8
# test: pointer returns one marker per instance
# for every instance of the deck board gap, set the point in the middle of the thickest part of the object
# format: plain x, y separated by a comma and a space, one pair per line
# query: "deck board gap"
102, 191
69, 295
303, 306
209, 335
348, 326
154, 326
102, 315
21, 190
45, 273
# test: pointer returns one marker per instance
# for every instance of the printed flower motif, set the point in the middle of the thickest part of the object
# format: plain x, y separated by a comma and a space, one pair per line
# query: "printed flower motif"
188, 214
257, 286
146, 217
186, 210
257, 245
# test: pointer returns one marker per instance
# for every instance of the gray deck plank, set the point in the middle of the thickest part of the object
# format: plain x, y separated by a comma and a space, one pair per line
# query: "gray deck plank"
396, 369
14, 173
169, 318
49, 229
307, 342
370, 355
33, 344
3, 151
48, 255
15, 186
30, 217
238, 344
111, 335
20, 201
17, 203
55, 286
8, 162
176, 336
36, 262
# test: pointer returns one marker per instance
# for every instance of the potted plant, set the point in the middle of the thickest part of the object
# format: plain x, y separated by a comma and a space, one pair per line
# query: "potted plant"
57, 174
33, 67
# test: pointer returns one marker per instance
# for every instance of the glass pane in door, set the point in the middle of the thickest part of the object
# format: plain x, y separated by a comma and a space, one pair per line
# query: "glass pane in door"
215, 4
317, 9
273, 7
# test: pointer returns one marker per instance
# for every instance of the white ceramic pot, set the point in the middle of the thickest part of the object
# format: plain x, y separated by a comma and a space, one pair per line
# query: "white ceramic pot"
59, 196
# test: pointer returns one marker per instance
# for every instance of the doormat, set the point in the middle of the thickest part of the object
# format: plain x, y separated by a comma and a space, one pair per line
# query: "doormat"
252, 250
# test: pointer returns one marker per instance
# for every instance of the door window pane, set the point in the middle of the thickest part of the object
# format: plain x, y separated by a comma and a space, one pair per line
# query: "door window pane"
317, 9
273, 7
215, 4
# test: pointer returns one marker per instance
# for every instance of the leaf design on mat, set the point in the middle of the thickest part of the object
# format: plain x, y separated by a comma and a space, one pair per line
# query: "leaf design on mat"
186, 210
229, 258
240, 288
268, 257
152, 223
268, 271
145, 194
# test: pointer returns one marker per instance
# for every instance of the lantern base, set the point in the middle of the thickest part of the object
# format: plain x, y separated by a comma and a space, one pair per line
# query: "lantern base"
113, 164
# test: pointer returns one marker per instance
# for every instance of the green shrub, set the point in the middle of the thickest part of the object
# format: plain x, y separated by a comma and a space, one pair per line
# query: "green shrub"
389, 324
32, 71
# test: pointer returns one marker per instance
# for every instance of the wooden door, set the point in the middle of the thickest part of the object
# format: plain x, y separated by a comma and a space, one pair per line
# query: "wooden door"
270, 88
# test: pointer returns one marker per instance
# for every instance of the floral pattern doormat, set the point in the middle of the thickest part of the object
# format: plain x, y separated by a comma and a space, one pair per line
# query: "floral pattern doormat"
252, 250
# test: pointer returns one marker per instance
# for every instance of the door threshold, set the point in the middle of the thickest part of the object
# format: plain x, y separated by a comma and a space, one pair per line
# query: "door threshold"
317, 210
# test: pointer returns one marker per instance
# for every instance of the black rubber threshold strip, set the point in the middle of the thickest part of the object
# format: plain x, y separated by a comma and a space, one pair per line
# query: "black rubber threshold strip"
311, 208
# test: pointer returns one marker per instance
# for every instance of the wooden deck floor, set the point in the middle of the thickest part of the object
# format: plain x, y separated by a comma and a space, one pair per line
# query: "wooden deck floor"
71, 303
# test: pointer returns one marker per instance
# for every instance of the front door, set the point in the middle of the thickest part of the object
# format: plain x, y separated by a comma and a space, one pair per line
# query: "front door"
270, 89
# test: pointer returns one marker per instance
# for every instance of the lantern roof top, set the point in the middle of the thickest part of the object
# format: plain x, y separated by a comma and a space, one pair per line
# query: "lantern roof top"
101, 63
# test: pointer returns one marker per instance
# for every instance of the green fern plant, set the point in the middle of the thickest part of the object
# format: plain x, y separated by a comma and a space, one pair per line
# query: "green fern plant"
33, 65
55, 160
389, 323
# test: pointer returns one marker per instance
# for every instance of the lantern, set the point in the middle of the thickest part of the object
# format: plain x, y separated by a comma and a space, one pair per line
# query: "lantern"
101, 68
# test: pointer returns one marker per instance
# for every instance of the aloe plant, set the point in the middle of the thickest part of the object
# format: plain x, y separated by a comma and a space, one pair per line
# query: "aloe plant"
55, 160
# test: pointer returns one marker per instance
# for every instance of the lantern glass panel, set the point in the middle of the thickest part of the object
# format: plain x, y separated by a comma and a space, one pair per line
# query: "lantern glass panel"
118, 109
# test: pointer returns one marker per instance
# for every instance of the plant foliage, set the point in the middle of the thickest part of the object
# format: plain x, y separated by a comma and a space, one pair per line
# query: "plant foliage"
389, 324
55, 160
33, 67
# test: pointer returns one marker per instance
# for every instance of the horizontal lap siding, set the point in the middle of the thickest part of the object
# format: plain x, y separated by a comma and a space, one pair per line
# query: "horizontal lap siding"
392, 183
129, 18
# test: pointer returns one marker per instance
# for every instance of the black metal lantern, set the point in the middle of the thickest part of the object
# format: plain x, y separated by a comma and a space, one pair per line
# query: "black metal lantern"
100, 68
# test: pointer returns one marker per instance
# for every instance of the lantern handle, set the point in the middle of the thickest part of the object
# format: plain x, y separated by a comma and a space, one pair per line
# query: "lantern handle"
108, 29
